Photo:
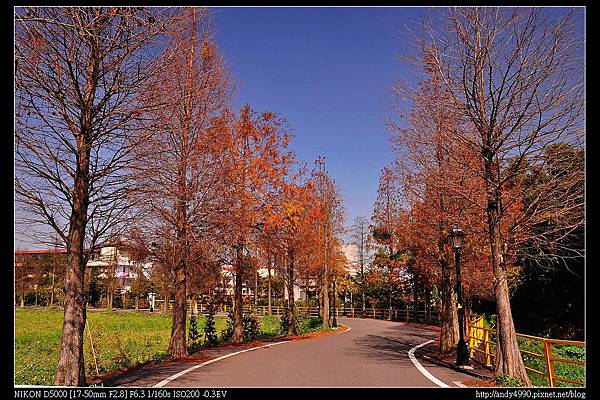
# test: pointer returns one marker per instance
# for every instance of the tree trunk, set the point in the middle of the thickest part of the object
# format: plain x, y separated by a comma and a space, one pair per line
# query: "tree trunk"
427, 306
448, 313
238, 323
390, 303
415, 299
256, 289
177, 345
292, 331
508, 357
509, 360
71, 366
269, 301
351, 301
52, 293
321, 303
364, 304
325, 292
166, 302
306, 290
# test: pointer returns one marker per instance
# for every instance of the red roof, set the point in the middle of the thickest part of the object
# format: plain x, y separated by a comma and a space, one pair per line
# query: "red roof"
46, 251
21, 252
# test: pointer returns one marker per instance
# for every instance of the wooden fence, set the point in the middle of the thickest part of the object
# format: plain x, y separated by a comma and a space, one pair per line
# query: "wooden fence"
349, 312
482, 348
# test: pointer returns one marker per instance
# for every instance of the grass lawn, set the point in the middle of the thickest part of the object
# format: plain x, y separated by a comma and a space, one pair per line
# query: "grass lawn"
120, 340
562, 370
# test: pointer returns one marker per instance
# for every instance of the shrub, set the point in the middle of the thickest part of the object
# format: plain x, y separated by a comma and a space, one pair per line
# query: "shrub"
270, 326
308, 324
507, 381
251, 327
193, 335
210, 332
285, 320
227, 333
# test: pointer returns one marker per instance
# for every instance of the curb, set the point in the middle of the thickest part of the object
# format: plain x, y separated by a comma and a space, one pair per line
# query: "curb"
453, 367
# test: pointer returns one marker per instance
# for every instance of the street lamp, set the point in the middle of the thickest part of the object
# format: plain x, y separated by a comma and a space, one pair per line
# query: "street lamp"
456, 237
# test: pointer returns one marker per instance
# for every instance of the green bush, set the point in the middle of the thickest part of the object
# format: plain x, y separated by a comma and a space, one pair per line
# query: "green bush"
285, 320
269, 326
251, 327
193, 335
227, 333
308, 324
210, 332
507, 381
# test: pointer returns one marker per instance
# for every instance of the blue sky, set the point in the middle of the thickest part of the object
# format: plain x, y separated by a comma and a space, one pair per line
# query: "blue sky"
329, 72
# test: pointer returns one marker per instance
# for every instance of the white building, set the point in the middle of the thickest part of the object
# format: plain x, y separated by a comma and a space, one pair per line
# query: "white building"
111, 260
228, 272
351, 254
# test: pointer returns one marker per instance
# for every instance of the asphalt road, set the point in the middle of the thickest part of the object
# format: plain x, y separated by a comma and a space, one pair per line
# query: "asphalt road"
373, 353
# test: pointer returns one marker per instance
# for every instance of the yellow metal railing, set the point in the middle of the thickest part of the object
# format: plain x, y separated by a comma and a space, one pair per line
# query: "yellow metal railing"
482, 348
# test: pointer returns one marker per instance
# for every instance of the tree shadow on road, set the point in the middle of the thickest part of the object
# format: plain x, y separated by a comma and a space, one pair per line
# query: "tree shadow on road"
394, 343
391, 344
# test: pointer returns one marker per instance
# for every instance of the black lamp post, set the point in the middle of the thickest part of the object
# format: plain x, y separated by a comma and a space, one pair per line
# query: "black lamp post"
456, 237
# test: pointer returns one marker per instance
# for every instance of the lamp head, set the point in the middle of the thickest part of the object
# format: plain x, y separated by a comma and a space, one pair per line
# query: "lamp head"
456, 237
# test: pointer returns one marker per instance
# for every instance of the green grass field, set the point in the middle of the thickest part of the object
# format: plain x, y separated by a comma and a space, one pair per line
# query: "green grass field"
562, 370
120, 340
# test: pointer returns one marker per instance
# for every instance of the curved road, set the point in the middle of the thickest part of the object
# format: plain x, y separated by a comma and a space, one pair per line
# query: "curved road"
373, 353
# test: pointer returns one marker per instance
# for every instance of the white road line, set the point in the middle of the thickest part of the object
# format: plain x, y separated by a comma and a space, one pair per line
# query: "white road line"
411, 355
177, 375
457, 383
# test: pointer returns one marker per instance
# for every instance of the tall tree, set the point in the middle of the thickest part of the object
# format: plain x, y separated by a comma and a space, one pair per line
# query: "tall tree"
387, 212
330, 226
177, 167
257, 160
360, 237
78, 75
298, 244
516, 76
423, 165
